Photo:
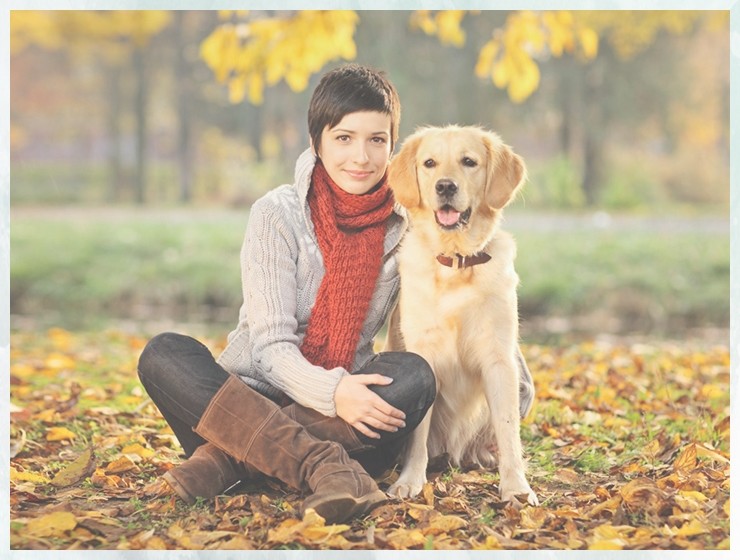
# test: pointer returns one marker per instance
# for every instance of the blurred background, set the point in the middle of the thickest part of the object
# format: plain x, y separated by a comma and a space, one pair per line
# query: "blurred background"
139, 140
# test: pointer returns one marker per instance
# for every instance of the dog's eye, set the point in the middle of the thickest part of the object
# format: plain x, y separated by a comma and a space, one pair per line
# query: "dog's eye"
467, 162
430, 163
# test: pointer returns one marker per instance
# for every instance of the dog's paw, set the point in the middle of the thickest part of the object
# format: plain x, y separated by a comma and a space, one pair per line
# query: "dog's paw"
406, 486
520, 487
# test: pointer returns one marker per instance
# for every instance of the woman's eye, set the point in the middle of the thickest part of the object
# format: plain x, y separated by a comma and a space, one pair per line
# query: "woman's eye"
378, 140
467, 162
343, 138
430, 163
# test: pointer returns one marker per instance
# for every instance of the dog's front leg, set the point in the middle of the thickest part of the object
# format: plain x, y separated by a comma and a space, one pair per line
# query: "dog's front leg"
414, 471
502, 393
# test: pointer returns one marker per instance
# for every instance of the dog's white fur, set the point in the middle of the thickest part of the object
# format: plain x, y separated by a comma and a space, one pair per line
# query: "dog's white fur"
463, 321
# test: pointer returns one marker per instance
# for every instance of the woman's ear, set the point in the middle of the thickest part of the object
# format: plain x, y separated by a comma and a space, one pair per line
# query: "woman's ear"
402, 173
506, 172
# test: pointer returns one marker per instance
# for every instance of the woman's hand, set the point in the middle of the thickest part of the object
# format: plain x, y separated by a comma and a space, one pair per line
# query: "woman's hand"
363, 409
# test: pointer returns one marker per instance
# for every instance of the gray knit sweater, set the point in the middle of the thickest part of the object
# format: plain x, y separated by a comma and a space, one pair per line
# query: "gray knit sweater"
282, 268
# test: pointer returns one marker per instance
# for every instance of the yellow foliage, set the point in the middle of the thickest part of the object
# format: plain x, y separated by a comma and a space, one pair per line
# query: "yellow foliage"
102, 30
251, 55
509, 56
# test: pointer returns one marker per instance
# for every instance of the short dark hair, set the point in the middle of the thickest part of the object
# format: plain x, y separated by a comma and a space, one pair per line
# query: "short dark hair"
348, 89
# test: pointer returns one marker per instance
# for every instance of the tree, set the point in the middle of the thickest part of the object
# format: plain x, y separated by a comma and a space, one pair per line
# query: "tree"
113, 37
255, 50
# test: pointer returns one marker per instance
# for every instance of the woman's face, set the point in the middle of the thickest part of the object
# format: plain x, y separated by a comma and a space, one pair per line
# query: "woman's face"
356, 151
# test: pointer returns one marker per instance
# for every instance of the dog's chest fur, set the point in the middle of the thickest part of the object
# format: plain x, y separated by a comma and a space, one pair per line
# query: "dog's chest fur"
442, 311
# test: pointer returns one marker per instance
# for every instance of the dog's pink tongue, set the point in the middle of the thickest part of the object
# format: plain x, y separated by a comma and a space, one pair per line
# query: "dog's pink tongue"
448, 216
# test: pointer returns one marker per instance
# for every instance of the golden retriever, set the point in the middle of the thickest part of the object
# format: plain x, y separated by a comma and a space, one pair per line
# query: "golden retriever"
458, 302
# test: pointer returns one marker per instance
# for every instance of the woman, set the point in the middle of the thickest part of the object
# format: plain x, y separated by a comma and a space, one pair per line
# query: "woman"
298, 393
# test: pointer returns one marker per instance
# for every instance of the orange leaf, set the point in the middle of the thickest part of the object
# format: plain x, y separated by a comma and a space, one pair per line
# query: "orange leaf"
686, 460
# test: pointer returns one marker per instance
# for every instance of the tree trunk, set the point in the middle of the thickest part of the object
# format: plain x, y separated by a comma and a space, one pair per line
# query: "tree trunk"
140, 110
593, 133
114, 133
183, 87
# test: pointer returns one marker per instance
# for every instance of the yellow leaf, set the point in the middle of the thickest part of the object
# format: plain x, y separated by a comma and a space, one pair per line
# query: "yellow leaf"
27, 476
58, 361
52, 525
428, 493
694, 495
120, 465
47, 415
444, 524
60, 338
501, 72
692, 528
486, 56
402, 539
76, 470
611, 544
491, 543
138, 449
589, 42
702, 451
59, 434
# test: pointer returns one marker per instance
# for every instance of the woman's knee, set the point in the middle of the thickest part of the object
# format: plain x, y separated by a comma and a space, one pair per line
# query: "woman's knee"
158, 352
414, 385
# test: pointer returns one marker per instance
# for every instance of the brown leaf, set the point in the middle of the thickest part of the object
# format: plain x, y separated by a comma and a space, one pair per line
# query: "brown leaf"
642, 493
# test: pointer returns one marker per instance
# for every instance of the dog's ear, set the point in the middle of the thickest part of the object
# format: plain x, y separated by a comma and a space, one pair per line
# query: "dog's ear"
402, 173
506, 173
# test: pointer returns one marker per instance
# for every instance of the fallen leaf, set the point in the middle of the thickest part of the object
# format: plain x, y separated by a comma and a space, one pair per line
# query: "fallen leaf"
78, 469
52, 525
121, 465
60, 433
444, 524
138, 449
26, 476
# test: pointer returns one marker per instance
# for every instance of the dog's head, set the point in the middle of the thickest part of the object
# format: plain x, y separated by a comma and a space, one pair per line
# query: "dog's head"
462, 176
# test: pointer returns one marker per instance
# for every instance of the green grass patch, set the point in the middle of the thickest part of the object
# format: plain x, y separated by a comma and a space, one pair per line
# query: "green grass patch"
89, 269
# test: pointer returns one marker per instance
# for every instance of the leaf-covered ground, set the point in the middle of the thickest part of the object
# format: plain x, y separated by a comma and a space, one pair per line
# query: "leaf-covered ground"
628, 448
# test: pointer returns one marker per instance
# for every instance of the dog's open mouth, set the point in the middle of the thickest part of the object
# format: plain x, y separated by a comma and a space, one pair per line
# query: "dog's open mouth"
449, 218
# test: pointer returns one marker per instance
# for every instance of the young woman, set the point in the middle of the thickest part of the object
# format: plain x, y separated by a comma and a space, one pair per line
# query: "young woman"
298, 393
298, 389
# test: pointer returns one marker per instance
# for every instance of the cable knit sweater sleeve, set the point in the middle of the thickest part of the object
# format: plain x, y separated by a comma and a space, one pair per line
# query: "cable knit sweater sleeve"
269, 279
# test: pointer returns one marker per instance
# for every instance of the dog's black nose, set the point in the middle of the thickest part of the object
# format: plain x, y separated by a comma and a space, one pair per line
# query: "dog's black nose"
446, 187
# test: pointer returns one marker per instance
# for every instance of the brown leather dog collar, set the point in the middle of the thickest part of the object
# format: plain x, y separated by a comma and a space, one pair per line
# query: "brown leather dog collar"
459, 261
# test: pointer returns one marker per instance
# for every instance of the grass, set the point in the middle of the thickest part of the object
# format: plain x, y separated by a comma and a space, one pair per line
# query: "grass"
88, 269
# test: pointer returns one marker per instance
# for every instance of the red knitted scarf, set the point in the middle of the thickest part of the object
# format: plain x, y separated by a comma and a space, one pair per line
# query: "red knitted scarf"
350, 230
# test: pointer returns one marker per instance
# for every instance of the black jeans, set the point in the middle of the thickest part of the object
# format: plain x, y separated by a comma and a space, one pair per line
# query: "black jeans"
181, 376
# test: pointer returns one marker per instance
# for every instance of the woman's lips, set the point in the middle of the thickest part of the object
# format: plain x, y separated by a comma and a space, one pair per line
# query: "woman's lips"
359, 174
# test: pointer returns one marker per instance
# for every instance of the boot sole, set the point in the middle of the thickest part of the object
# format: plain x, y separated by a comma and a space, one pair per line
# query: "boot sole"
342, 506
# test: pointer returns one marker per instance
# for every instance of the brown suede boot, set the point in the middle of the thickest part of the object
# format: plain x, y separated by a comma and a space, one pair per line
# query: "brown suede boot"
253, 429
326, 428
207, 473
